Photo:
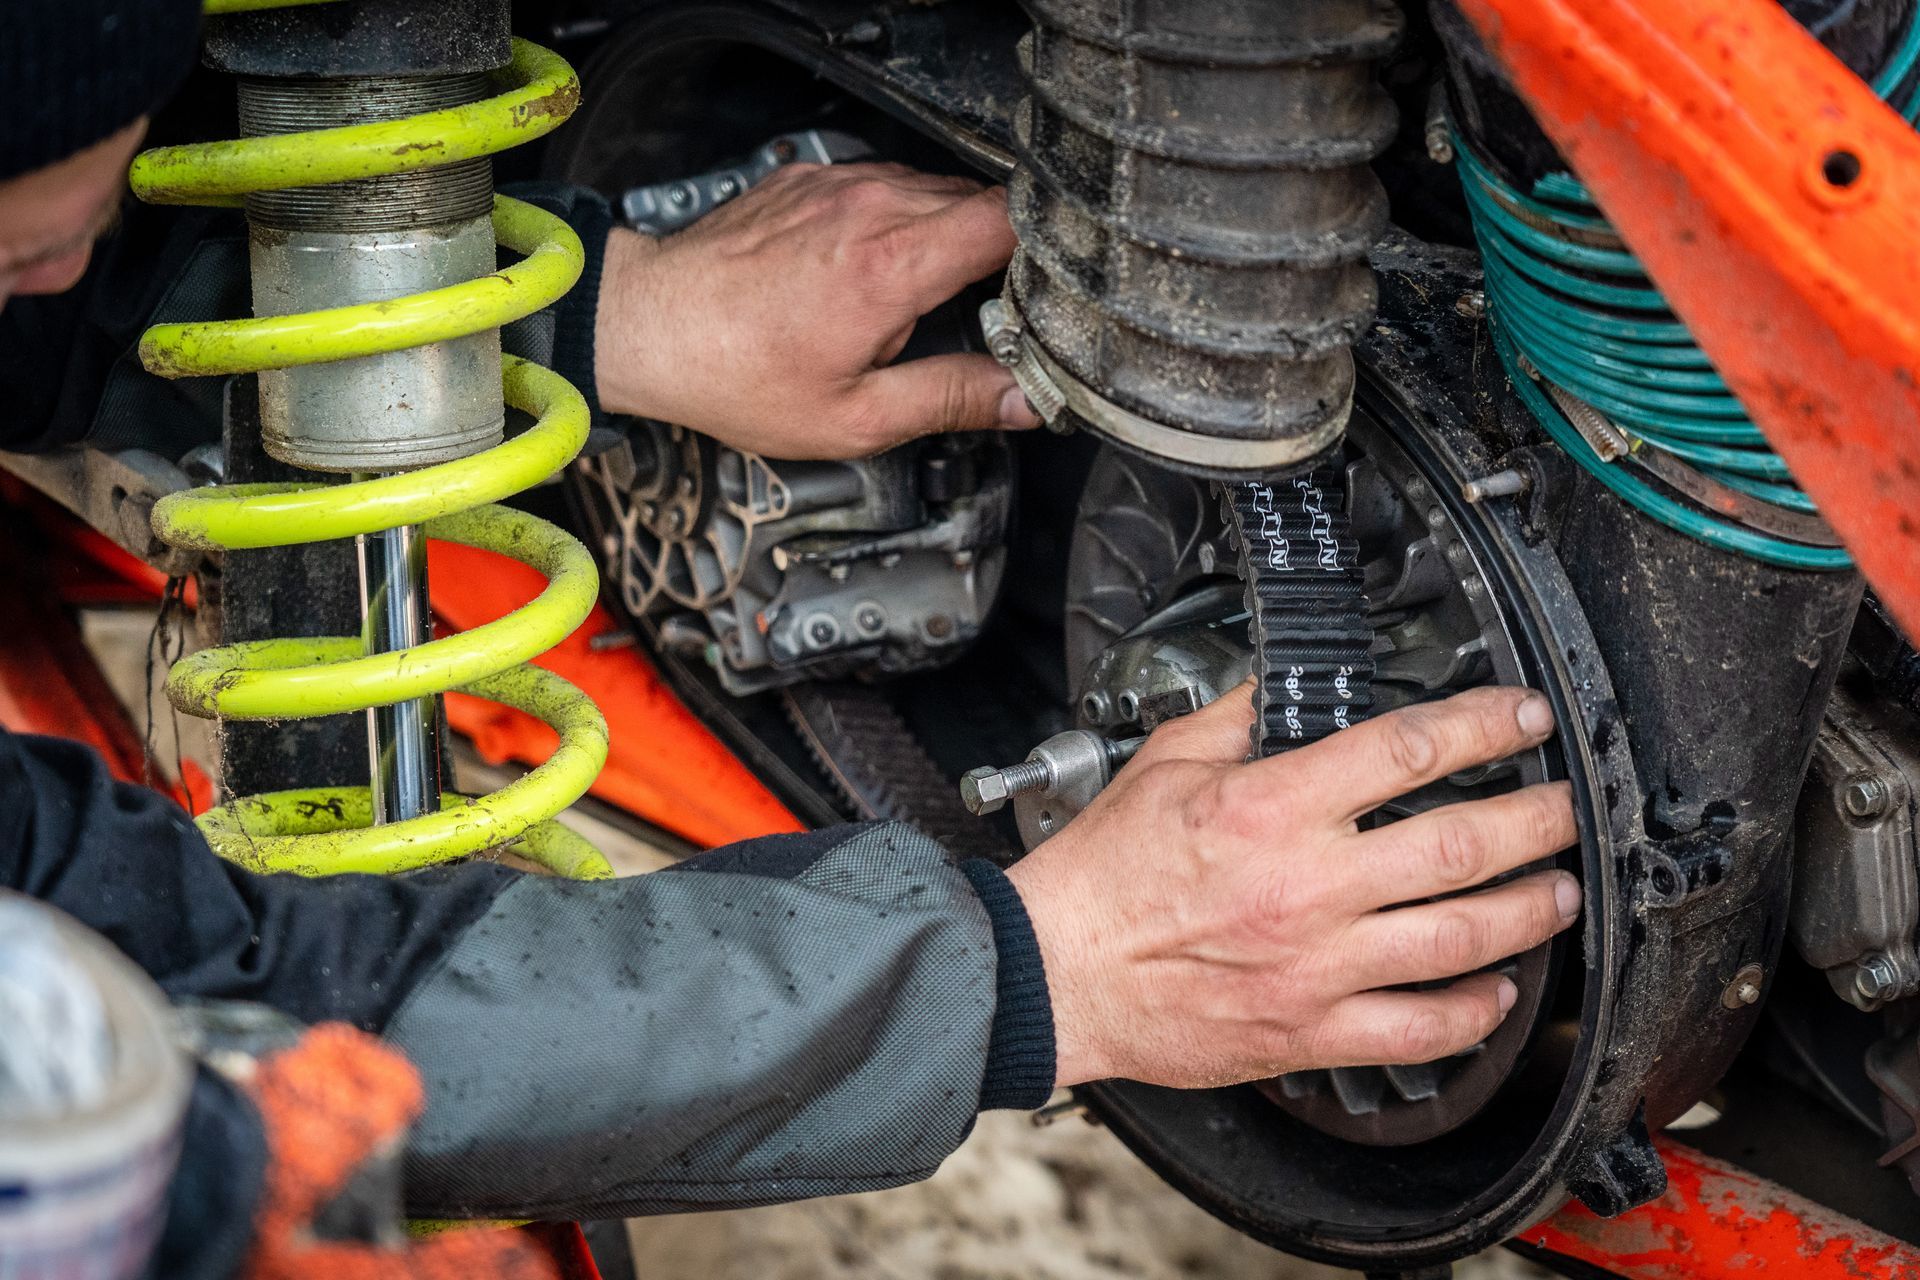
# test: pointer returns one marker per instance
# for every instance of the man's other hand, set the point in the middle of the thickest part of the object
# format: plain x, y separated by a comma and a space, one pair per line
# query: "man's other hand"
771, 322
1208, 921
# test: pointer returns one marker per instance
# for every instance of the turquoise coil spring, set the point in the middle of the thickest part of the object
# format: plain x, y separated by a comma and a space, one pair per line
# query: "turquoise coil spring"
1567, 299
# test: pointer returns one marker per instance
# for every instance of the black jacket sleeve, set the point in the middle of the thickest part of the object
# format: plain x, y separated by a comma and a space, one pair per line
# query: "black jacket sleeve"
787, 1017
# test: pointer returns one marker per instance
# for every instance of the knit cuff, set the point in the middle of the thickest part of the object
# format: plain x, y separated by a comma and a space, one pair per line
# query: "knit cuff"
574, 315
1020, 1051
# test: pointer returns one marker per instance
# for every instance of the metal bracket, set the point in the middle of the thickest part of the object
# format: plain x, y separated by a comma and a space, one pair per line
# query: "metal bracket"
114, 492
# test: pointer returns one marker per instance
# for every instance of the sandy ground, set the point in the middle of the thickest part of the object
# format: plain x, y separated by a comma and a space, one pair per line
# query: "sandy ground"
1016, 1202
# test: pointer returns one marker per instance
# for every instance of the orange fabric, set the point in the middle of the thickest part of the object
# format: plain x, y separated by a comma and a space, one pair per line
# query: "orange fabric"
328, 1103
662, 763
49, 681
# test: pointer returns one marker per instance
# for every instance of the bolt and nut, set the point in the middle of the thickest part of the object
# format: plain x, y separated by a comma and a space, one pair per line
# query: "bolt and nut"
1865, 796
986, 789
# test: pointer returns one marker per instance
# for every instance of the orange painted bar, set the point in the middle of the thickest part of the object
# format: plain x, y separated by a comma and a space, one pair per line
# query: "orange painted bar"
1776, 202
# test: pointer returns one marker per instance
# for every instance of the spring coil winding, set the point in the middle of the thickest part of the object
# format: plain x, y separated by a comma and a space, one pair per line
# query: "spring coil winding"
324, 830
1592, 347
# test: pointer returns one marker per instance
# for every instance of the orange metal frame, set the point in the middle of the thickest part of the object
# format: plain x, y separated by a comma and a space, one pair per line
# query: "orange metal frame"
1717, 1220
1776, 201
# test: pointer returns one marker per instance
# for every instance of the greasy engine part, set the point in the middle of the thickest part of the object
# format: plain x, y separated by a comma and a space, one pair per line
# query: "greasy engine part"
1162, 538
1194, 207
776, 572
1856, 875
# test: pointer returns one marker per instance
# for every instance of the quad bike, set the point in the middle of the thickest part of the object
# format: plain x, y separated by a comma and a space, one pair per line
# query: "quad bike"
1353, 388
1540, 481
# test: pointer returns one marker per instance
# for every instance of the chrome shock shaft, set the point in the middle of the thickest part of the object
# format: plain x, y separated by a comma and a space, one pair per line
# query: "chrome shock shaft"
403, 739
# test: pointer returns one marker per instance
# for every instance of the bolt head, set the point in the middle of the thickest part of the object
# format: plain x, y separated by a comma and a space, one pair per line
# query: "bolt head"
822, 631
1744, 989
1865, 797
680, 195
870, 618
1876, 978
983, 790
1471, 304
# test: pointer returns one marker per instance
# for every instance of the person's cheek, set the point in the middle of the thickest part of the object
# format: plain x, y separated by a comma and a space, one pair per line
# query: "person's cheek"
55, 275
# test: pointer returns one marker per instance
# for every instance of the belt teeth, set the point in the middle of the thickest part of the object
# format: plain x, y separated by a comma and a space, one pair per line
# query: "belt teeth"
1309, 615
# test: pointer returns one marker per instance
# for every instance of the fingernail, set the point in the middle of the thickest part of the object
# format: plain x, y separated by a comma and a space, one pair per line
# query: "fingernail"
1507, 994
1566, 896
1015, 412
1536, 717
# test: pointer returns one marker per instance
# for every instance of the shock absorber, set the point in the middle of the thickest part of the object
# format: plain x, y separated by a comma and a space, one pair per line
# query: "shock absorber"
372, 227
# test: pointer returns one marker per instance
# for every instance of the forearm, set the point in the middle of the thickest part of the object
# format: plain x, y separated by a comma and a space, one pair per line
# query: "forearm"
793, 1017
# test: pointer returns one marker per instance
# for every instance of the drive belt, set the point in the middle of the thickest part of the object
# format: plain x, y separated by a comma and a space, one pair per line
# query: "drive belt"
1312, 640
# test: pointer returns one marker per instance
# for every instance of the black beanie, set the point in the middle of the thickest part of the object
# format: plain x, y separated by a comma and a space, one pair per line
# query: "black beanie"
75, 71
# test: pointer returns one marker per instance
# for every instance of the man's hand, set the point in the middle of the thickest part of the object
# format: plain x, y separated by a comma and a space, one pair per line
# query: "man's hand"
770, 323
1208, 921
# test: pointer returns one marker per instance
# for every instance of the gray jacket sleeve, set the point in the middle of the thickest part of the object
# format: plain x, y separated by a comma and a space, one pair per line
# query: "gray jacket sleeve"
791, 1017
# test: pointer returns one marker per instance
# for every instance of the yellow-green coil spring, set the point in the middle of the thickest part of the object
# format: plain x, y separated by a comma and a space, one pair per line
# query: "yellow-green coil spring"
323, 830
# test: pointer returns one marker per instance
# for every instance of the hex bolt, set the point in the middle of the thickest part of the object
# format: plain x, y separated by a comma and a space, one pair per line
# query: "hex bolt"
1501, 484
821, 631
1875, 978
1745, 987
869, 618
1865, 796
987, 789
